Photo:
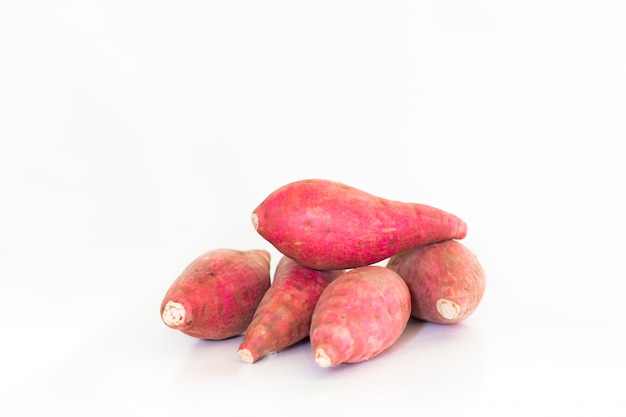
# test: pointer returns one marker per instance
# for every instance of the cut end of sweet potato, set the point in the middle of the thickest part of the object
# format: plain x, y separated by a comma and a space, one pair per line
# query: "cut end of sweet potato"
245, 355
255, 221
448, 309
173, 314
322, 359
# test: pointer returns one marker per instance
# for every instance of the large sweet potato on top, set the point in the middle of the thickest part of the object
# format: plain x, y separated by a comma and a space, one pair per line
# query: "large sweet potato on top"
328, 225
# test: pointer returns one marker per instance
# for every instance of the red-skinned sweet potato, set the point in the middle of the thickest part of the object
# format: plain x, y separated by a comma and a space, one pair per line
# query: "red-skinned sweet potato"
216, 295
327, 225
445, 279
283, 317
359, 315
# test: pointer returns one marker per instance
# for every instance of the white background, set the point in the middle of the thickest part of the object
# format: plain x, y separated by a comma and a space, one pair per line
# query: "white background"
136, 135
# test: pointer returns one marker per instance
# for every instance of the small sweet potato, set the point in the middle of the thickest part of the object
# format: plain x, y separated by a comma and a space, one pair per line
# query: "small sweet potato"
325, 225
216, 295
283, 317
445, 279
359, 315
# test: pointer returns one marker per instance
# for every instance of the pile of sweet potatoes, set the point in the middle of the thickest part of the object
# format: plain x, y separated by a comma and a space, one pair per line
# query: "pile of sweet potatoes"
326, 286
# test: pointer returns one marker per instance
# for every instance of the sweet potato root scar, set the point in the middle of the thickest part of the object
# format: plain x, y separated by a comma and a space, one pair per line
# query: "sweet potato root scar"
321, 358
255, 221
388, 229
245, 355
173, 314
448, 309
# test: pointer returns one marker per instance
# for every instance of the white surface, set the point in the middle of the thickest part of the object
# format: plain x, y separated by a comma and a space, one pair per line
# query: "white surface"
137, 135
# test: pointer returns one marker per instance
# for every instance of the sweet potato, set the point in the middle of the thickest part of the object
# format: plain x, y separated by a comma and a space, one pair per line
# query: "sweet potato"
359, 315
445, 279
216, 295
324, 224
283, 317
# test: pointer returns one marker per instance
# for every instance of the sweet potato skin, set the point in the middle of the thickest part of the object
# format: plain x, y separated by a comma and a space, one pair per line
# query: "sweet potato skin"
283, 317
445, 279
324, 224
217, 293
359, 315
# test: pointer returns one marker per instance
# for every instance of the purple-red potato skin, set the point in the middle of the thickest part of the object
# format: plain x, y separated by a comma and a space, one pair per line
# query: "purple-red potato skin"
327, 225
216, 295
283, 317
359, 315
445, 279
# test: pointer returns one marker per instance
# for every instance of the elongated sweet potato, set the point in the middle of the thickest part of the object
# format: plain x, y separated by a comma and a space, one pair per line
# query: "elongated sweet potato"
283, 317
216, 295
324, 224
359, 315
445, 279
